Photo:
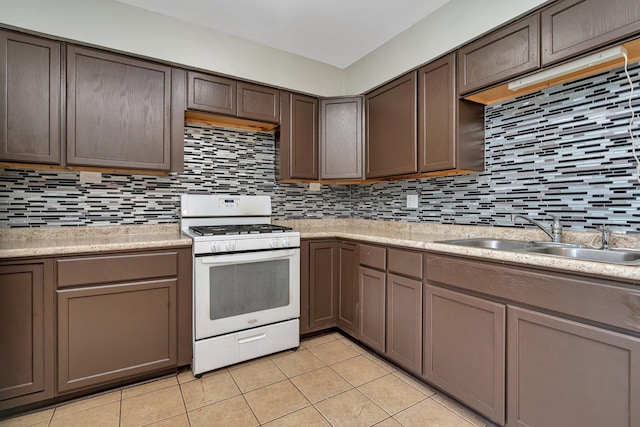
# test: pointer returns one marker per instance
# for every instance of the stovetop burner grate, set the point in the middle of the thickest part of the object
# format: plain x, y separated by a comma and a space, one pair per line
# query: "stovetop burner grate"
219, 230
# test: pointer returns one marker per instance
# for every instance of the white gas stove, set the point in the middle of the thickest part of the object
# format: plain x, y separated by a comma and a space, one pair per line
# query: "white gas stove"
246, 282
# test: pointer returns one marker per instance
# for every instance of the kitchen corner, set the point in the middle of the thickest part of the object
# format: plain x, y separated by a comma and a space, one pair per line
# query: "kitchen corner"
199, 229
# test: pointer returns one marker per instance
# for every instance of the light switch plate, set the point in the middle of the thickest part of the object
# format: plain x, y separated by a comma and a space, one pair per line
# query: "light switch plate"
90, 177
314, 186
412, 201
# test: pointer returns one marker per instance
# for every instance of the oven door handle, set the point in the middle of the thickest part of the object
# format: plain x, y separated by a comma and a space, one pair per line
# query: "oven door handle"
248, 257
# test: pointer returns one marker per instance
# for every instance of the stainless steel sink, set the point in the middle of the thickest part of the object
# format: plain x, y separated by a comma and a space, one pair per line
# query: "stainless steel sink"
499, 244
564, 250
600, 255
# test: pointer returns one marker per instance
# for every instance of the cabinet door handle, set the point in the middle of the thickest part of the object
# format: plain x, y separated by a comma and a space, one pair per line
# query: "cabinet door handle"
253, 338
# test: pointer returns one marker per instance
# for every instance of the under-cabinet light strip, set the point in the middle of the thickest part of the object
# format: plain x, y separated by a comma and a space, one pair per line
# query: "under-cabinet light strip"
571, 67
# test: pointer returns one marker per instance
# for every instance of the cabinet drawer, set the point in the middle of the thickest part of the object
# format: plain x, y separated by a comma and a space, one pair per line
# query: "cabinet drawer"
373, 256
405, 263
115, 268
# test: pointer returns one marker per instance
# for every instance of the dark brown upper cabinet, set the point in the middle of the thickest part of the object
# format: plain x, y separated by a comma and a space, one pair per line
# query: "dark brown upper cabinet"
118, 111
391, 129
210, 93
450, 130
259, 103
26, 332
297, 144
30, 90
571, 27
501, 55
341, 139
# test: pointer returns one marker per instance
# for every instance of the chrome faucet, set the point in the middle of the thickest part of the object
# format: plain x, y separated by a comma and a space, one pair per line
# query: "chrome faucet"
556, 228
606, 236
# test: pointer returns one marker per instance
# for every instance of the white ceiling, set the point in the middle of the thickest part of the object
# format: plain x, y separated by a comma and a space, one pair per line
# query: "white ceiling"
336, 32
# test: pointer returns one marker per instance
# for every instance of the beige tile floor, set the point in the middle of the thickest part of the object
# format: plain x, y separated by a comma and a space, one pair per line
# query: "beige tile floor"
328, 381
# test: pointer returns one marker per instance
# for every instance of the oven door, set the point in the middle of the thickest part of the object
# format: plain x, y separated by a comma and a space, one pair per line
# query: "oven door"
233, 292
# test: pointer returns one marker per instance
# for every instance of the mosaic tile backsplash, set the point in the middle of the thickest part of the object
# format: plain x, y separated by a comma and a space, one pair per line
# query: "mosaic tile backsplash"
564, 151
216, 161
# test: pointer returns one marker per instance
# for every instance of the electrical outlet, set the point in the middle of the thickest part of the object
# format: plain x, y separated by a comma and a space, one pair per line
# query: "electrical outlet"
90, 177
412, 201
314, 186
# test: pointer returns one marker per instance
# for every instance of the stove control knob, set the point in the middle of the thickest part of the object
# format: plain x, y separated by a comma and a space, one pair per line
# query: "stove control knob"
285, 243
231, 245
273, 243
215, 247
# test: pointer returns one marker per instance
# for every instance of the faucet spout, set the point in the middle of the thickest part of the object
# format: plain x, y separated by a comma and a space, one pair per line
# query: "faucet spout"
555, 233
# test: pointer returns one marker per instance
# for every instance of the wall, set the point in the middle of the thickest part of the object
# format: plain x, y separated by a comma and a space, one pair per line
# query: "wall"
216, 161
451, 26
118, 26
126, 28
564, 151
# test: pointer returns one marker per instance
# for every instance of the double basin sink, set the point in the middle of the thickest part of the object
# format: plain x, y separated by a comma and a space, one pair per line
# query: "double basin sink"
563, 250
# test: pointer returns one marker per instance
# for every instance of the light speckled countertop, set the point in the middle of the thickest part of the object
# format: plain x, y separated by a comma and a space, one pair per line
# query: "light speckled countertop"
54, 241
423, 236
48, 241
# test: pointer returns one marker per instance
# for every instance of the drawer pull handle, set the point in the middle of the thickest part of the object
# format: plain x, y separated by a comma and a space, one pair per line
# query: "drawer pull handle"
253, 338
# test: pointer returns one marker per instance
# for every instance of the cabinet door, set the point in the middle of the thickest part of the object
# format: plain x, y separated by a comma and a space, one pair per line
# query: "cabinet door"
404, 322
391, 137
564, 373
372, 284
30, 90
26, 333
571, 27
464, 349
437, 115
347, 288
212, 94
304, 136
501, 55
341, 138
106, 333
257, 102
118, 111
297, 145
323, 274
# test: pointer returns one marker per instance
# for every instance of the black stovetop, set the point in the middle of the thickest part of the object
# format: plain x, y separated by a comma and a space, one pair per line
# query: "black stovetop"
219, 230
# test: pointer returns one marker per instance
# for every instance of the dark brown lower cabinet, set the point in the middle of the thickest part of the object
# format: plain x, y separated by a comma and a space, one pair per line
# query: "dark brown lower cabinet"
348, 288
563, 373
464, 349
323, 274
372, 298
404, 322
26, 332
106, 333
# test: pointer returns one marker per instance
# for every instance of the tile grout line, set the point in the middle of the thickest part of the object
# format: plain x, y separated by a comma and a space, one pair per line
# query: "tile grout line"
184, 403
